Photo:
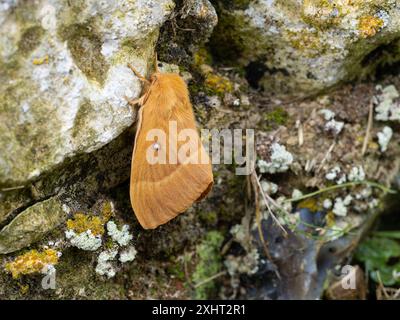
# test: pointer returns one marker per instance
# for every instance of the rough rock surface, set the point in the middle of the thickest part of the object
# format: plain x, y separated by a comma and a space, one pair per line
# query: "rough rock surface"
31, 225
67, 210
300, 48
64, 77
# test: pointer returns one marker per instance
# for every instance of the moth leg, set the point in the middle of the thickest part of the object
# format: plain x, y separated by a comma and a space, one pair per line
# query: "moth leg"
133, 102
137, 74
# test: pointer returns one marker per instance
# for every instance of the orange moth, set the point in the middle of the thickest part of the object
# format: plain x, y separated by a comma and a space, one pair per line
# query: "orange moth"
170, 167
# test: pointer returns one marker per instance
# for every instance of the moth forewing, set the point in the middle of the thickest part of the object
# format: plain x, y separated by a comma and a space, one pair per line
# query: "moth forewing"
160, 191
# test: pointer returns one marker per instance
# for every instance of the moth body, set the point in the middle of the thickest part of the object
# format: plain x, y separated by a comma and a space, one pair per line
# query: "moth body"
166, 181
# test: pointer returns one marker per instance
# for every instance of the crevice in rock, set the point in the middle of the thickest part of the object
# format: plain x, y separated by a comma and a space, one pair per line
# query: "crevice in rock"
21, 209
254, 72
384, 59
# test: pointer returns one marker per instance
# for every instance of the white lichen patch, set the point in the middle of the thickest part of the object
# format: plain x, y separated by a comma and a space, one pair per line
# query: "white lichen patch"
239, 234
387, 107
342, 179
331, 124
384, 16
104, 266
373, 203
280, 160
128, 254
296, 194
364, 193
122, 237
334, 126
340, 207
247, 264
356, 174
85, 240
327, 114
333, 173
282, 211
327, 204
269, 187
336, 174
384, 138
284, 204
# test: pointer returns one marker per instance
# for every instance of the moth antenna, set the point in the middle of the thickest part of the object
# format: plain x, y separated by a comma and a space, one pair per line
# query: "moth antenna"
137, 74
156, 63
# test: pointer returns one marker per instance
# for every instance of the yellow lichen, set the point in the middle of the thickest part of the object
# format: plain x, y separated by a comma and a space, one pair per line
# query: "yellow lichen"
327, 13
202, 56
107, 211
82, 222
320, 13
306, 41
39, 61
369, 26
24, 289
218, 84
330, 219
32, 262
310, 204
371, 145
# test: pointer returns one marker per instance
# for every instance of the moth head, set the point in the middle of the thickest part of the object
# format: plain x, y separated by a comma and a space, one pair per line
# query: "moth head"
154, 77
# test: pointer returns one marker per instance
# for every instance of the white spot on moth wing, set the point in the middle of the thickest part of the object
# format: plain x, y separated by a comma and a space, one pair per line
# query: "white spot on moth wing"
156, 146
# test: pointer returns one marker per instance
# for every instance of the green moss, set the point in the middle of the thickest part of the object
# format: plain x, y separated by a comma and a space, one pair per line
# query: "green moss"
233, 4
176, 269
30, 39
229, 41
208, 217
131, 47
277, 117
208, 253
85, 46
81, 117
202, 56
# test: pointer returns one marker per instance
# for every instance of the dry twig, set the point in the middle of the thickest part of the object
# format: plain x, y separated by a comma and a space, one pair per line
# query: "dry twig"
369, 128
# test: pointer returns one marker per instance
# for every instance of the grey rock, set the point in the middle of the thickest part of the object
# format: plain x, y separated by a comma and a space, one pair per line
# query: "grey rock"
308, 46
64, 77
32, 224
